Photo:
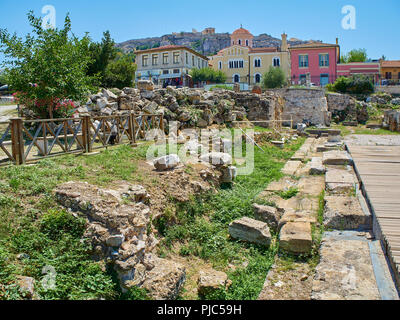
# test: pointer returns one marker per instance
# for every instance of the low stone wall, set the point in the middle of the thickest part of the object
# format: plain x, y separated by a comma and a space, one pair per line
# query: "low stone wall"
305, 105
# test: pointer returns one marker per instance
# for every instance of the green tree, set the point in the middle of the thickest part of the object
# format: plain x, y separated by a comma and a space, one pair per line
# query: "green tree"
48, 67
274, 78
102, 54
358, 84
355, 55
120, 73
207, 74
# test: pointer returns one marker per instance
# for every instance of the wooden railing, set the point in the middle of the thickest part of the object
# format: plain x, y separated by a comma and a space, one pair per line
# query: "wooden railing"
52, 137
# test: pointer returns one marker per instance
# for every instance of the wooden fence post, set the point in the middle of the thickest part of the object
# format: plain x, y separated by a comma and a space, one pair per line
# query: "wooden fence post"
86, 134
17, 141
131, 129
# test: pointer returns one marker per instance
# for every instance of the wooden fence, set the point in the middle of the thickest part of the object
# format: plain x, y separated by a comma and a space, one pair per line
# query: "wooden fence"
52, 137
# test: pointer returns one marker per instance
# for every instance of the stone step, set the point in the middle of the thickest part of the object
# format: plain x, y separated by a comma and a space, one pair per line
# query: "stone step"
250, 230
340, 181
345, 213
336, 157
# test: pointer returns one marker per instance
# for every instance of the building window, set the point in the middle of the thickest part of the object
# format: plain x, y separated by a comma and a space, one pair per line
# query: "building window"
236, 78
388, 75
165, 72
257, 63
154, 59
145, 60
193, 61
303, 61
220, 65
233, 42
176, 57
247, 43
240, 42
236, 64
303, 79
165, 58
257, 78
198, 62
176, 71
187, 58
276, 62
324, 60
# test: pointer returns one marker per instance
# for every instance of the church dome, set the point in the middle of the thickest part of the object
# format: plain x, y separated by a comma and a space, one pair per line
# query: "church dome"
241, 31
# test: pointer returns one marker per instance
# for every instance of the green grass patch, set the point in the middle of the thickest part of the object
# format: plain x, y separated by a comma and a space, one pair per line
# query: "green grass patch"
201, 225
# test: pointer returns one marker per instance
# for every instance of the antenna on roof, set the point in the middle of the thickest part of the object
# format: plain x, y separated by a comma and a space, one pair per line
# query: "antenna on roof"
241, 26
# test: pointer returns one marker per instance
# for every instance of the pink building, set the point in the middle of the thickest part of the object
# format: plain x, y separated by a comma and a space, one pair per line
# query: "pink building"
370, 69
315, 59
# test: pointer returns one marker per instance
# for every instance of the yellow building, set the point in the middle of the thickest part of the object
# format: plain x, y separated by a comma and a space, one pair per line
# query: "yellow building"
390, 70
244, 64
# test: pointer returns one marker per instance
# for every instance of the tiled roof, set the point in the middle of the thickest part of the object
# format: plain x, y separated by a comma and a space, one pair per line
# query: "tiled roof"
241, 31
390, 64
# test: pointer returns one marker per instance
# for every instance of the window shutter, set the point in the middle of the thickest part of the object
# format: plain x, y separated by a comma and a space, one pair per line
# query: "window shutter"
320, 60
307, 60
327, 59
299, 61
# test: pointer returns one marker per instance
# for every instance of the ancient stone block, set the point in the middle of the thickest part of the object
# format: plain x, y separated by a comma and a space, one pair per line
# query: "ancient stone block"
211, 280
345, 213
336, 157
291, 167
250, 230
267, 214
295, 237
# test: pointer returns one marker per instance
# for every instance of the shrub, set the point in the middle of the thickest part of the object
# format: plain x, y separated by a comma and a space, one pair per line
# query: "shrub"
356, 85
57, 222
48, 67
274, 78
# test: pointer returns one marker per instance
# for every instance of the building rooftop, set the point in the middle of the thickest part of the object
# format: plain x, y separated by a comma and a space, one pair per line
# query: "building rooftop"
241, 31
313, 45
169, 48
390, 64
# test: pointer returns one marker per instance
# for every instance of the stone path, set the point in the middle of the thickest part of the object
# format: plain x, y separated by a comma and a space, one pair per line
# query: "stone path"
348, 269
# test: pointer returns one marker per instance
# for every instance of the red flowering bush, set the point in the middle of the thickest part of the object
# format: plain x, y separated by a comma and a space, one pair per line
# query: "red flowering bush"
62, 108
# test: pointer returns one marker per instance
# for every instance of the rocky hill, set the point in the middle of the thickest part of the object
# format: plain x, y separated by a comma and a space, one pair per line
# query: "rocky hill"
208, 44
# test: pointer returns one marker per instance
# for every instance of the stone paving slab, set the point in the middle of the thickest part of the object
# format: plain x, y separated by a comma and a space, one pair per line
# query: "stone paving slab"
345, 213
281, 185
311, 185
291, 167
345, 271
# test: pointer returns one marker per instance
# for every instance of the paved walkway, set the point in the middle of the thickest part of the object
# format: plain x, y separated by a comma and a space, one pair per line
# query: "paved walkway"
5, 109
377, 164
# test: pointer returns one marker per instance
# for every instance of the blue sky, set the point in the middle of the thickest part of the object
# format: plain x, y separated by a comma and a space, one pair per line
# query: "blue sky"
376, 25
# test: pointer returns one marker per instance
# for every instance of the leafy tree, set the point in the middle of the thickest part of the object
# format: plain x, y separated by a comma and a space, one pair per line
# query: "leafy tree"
356, 84
101, 53
207, 74
120, 73
48, 67
274, 78
355, 55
